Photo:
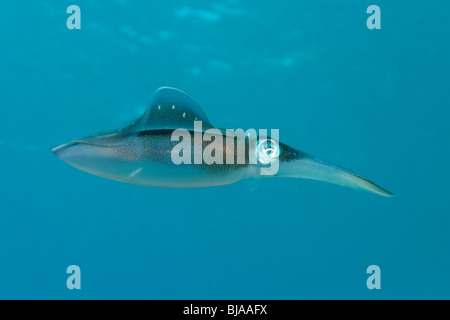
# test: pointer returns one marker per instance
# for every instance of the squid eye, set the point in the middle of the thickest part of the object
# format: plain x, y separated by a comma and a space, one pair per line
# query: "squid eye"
267, 150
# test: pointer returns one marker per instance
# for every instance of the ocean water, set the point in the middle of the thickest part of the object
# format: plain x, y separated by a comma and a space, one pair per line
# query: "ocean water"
374, 101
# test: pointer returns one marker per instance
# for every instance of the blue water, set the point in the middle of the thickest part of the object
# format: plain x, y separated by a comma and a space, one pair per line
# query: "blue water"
374, 101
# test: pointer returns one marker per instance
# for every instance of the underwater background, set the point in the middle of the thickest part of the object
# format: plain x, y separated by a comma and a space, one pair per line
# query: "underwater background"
373, 101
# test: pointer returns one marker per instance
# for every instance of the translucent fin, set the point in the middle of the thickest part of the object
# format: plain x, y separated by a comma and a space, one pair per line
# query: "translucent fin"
170, 108
110, 138
173, 108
